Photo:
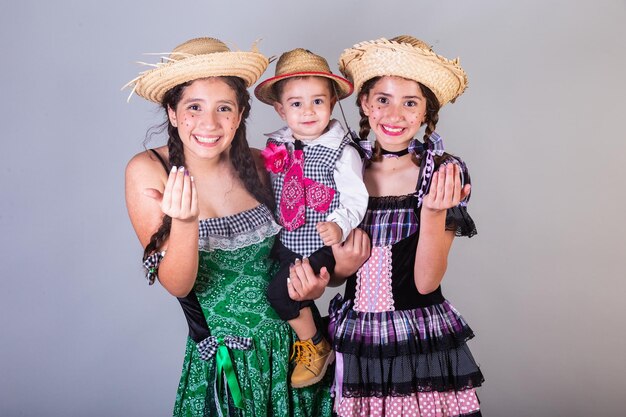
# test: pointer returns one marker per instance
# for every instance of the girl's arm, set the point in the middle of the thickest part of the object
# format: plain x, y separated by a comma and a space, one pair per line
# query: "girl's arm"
431, 257
148, 199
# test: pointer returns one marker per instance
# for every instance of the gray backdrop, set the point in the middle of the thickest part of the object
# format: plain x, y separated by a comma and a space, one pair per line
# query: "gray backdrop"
540, 128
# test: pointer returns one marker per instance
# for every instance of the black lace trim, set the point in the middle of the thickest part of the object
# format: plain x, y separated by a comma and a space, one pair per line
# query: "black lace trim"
393, 202
459, 221
459, 383
454, 369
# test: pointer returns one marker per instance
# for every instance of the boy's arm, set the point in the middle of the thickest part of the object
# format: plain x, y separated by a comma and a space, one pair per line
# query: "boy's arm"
353, 195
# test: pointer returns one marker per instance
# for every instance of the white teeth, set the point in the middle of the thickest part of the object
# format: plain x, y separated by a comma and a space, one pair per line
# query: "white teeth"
393, 129
206, 140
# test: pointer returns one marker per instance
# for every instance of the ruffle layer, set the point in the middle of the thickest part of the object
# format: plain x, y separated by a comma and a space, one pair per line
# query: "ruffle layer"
402, 352
401, 332
449, 370
427, 404
459, 221
237, 231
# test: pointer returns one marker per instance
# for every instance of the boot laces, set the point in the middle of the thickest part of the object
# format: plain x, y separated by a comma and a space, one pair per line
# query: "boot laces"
303, 351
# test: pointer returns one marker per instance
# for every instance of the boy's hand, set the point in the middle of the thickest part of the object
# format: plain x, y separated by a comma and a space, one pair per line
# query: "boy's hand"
330, 232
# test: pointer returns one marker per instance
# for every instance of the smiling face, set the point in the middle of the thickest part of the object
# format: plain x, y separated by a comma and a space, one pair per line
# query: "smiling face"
207, 117
306, 105
396, 109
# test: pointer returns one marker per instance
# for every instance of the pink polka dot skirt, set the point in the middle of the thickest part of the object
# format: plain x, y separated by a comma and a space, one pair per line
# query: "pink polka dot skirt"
422, 404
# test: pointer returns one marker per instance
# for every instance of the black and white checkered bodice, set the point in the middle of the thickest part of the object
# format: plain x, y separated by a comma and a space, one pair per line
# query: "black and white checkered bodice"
319, 166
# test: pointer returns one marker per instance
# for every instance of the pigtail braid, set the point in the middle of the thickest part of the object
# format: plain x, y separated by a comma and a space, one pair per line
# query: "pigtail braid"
243, 162
176, 158
432, 118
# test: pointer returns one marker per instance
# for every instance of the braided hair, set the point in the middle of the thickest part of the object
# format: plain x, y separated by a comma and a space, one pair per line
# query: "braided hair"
240, 154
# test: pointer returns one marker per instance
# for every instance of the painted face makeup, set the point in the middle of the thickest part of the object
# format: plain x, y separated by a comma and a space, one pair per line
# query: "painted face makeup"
396, 109
306, 105
207, 117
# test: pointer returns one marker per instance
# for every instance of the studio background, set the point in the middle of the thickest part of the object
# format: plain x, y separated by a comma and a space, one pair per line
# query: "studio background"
540, 127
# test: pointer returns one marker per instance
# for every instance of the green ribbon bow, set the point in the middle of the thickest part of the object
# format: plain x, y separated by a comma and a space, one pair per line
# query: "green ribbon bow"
225, 364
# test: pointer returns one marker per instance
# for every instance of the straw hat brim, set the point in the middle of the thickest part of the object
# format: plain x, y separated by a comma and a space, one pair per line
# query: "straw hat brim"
265, 93
381, 57
153, 84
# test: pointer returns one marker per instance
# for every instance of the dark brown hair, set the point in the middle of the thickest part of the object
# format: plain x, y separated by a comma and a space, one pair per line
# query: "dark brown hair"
240, 154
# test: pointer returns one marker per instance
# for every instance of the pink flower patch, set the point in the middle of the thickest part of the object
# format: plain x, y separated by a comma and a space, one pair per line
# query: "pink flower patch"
275, 157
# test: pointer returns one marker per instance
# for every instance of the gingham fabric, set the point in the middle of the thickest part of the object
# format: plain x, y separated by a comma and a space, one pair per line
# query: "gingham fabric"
152, 265
237, 231
431, 328
319, 166
208, 347
390, 219
226, 233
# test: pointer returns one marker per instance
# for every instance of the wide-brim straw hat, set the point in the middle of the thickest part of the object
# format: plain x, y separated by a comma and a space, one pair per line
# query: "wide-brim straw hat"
195, 59
406, 57
301, 63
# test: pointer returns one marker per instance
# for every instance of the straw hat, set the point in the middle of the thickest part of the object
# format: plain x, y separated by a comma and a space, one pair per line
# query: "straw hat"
406, 57
194, 59
300, 63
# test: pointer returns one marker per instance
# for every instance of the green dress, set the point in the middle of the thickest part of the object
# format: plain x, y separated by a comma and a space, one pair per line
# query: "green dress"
234, 271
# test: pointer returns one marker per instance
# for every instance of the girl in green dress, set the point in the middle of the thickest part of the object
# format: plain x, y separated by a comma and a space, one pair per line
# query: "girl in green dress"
202, 209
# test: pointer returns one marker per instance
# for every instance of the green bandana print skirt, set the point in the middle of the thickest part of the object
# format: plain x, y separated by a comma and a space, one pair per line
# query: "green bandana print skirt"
234, 380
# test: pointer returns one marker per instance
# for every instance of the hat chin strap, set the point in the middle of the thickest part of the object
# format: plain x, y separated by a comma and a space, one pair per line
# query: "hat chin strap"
355, 138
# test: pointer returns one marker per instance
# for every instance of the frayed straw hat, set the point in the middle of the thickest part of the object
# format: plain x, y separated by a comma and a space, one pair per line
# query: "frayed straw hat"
406, 57
301, 63
194, 59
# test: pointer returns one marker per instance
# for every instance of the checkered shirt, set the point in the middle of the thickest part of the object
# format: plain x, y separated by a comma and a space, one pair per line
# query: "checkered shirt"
319, 165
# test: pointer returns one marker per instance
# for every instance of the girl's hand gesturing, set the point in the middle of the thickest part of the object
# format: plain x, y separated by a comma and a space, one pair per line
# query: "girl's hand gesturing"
445, 189
179, 200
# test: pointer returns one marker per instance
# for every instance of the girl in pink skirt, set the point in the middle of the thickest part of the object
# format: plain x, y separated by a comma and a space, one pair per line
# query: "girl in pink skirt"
400, 345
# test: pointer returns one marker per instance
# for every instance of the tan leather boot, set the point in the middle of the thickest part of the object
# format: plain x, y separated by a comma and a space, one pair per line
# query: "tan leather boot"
311, 362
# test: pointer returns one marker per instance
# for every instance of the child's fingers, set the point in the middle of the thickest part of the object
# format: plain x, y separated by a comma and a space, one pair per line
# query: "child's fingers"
321, 227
